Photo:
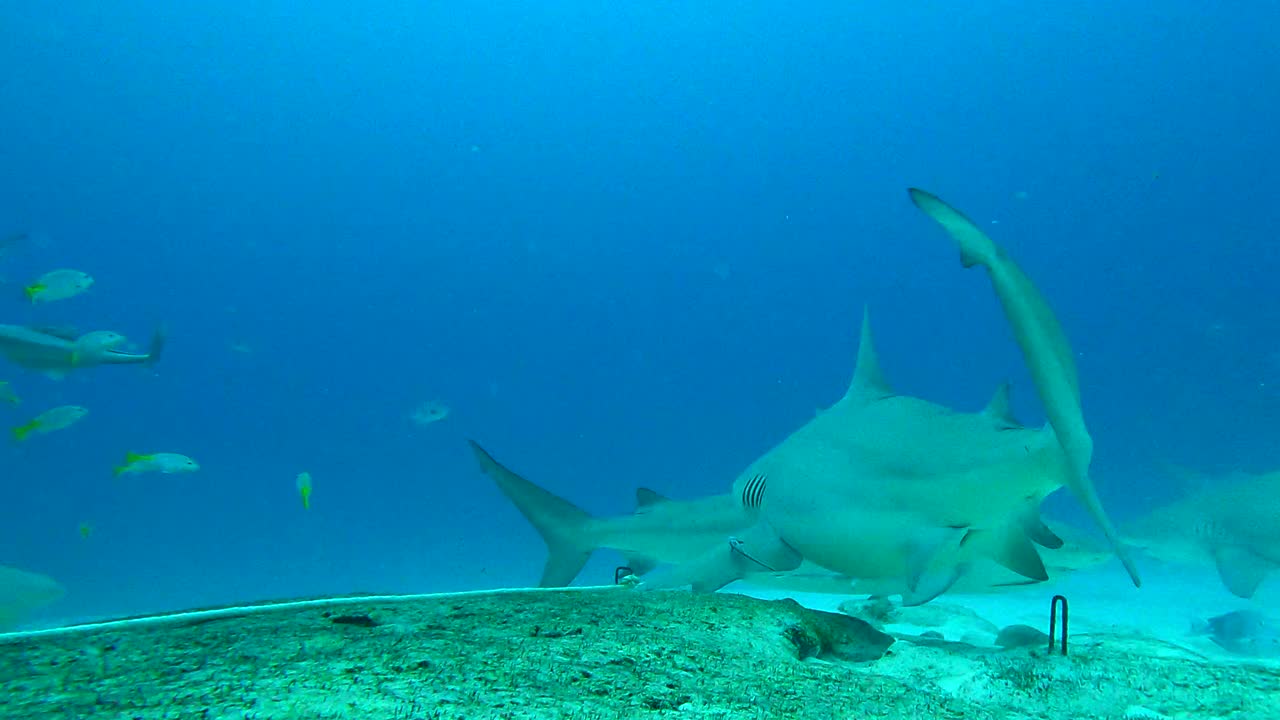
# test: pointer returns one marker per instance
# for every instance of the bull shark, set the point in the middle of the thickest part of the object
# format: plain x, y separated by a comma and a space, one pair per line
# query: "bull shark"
1044, 349
667, 531
23, 592
682, 533
1231, 522
663, 530
54, 351
880, 486
894, 489
883, 485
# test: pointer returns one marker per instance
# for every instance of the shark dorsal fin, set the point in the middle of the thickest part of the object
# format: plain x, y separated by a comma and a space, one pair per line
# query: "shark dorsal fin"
868, 382
646, 497
998, 408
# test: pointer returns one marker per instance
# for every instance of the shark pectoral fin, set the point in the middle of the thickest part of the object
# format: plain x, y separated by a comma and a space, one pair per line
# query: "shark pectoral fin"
708, 572
1039, 533
1019, 555
766, 551
1010, 547
933, 583
1241, 571
923, 551
759, 549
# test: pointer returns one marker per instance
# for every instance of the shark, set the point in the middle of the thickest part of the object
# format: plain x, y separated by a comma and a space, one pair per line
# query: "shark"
688, 535
22, 592
1045, 350
1080, 551
667, 531
54, 350
1232, 522
880, 486
660, 531
883, 485
889, 488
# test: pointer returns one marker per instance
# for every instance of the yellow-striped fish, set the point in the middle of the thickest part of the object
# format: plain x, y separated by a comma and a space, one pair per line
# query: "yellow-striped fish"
304, 489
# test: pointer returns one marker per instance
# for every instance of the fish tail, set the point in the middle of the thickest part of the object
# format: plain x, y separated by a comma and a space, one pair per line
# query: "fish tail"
130, 458
564, 526
21, 432
33, 291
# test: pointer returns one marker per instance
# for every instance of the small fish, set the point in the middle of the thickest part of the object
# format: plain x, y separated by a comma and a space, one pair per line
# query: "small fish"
56, 419
1244, 632
86, 530
167, 463
304, 489
91, 347
7, 394
58, 285
429, 412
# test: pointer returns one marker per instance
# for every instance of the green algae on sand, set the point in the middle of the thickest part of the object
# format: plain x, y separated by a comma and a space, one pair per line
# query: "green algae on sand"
573, 653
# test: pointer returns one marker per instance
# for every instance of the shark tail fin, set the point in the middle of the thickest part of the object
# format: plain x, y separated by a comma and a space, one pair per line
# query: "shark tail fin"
562, 525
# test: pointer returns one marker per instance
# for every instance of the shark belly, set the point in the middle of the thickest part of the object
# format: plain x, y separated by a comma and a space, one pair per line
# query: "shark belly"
893, 487
843, 538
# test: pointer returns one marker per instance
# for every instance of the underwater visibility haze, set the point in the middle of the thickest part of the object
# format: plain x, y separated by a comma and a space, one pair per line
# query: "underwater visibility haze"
290, 258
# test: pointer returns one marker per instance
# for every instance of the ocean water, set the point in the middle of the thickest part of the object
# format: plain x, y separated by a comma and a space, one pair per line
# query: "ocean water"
628, 244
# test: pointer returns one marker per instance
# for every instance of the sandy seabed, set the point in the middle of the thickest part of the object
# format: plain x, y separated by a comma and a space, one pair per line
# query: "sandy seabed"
618, 653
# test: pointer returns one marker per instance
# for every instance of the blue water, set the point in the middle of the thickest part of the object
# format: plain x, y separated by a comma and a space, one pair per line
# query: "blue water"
627, 243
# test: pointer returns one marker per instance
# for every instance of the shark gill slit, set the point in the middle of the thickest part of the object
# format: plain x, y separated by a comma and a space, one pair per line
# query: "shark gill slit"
753, 491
